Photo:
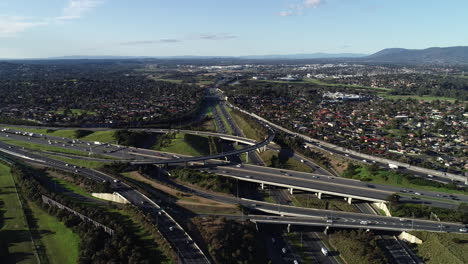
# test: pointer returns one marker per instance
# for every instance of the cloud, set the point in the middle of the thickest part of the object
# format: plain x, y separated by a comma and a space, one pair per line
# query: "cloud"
11, 25
285, 13
77, 8
311, 3
298, 9
216, 36
212, 36
146, 42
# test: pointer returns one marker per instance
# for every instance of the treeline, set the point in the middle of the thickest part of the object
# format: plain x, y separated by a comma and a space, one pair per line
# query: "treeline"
205, 180
230, 242
136, 139
96, 246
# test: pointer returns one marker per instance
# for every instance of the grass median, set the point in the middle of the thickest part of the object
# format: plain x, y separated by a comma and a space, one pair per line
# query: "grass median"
15, 236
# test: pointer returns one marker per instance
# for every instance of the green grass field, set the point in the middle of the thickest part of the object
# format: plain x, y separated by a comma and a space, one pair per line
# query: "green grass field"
194, 148
61, 244
105, 136
319, 82
291, 164
442, 247
14, 230
421, 98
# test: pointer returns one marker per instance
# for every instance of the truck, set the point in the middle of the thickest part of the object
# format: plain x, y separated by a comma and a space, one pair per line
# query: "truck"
324, 251
393, 166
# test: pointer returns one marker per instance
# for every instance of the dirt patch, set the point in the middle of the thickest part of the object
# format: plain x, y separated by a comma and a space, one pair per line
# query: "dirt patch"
189, 201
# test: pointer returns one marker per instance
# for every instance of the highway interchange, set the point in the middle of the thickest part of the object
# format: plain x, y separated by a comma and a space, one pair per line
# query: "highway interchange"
320, 181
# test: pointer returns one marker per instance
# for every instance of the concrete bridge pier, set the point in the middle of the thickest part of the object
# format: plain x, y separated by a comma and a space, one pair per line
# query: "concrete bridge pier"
326, 230
247, 157
291, 190
262, 186
349, 200
289, 228
319, 195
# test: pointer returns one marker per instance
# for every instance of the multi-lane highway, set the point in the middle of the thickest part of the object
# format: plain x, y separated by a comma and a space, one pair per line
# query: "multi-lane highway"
187, 250
311, 182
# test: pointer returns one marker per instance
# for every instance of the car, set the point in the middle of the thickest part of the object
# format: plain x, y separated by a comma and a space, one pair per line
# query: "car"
346, 155
365, 161
115, 180
66, 164
403, 220
248, 176
418, 193
329, 221
171, 228
364, 222
430, 176
239, 165
463, 230
296, 262
283, 250
302, 161
253, 205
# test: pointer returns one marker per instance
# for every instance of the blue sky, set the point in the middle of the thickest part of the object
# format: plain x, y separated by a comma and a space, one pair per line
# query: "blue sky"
46, 28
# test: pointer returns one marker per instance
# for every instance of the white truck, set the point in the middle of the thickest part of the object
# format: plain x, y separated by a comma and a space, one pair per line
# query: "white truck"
393, 166
324, 251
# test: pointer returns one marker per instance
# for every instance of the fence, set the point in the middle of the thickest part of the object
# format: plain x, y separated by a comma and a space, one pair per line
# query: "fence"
51, 202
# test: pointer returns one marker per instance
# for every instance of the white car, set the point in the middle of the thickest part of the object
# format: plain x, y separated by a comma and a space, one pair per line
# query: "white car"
464, 230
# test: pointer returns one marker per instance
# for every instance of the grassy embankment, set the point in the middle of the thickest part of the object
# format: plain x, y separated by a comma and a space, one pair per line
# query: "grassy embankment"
126, 217
390, 177
442, 247
61, 243
15, 237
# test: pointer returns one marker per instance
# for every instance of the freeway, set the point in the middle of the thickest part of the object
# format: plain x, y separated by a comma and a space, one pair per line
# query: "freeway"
311, 182
187, 250
91, 148
303, 216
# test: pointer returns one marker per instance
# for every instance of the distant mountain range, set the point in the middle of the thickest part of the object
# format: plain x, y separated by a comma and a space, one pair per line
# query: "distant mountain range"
448, 55
249, 57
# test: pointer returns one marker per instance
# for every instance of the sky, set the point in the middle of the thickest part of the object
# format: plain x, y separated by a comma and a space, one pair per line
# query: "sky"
50, 28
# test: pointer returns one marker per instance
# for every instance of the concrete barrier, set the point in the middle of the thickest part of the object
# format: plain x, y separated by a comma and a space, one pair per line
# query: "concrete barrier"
383, 207
113, 197
410, 238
